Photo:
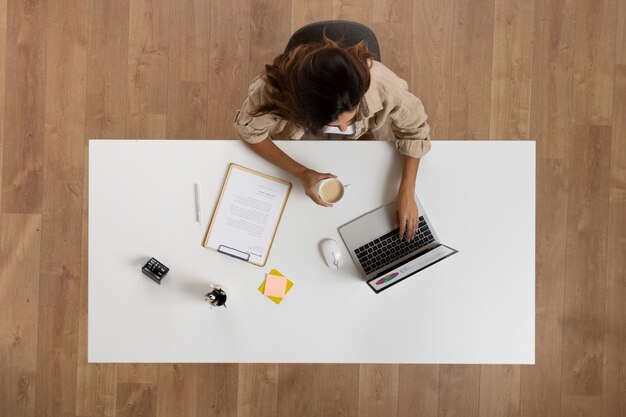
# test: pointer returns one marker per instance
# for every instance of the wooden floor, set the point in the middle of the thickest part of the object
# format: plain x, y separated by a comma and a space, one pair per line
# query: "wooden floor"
553, 71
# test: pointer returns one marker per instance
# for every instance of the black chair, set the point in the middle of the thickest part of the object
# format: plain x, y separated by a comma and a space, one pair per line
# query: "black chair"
345, 31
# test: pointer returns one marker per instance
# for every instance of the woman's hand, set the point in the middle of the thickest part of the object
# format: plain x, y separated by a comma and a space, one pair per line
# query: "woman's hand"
309, 180
407, 215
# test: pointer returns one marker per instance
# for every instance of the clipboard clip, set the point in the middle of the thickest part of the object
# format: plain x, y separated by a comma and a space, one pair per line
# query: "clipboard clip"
235, 253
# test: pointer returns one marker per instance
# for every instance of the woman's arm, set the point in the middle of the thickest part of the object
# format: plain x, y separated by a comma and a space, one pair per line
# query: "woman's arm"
412, 135
407, 215
268, 150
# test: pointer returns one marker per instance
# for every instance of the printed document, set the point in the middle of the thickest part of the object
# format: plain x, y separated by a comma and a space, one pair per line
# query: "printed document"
247, 214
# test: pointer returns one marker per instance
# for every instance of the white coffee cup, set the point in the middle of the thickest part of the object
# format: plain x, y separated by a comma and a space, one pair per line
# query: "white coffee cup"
330, 190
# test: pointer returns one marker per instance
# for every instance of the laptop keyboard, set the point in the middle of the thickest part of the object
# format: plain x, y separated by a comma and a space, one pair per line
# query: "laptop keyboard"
389, 248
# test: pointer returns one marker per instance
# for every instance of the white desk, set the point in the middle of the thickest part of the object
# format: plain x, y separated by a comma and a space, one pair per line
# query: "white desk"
474, 307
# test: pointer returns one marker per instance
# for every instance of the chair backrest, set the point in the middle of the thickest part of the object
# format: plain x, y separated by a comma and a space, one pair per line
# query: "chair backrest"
347, 32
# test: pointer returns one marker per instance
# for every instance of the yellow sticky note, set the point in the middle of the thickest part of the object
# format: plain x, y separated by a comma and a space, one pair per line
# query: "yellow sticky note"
277, 300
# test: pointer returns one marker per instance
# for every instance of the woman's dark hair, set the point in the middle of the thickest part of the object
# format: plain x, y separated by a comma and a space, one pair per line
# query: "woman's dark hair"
314, 83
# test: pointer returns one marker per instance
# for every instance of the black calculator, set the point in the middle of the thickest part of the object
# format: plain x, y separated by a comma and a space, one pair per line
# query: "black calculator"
155, 270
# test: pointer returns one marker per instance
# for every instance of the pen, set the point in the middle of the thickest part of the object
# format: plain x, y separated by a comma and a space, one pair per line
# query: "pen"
197, 200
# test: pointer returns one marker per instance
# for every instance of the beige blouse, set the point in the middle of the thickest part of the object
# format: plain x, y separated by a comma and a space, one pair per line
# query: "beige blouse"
387, 104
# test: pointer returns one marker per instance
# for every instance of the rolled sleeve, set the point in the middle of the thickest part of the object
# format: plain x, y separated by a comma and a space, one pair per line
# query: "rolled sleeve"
255, 129
410, 128
251, 129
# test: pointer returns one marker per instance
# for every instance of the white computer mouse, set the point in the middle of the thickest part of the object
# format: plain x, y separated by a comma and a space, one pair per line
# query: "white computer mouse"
332, 254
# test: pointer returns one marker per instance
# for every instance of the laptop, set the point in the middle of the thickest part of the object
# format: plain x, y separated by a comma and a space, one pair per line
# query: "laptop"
382, 257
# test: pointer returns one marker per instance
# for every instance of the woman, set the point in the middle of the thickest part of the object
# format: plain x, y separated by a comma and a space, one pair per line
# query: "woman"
318, 85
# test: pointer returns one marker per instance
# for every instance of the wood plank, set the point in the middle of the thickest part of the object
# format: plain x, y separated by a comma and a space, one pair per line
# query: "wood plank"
217, 390
147, 126
620, 42
64, 152
297, 390
187, 105
499, 391
96, 384
270, 28
176, 390
228, 65
257, 394
338, 386
470, 81
107, 80
138, 373
378, 390
511, 69
614, 382
304, 12
148, 52
585, 285
188, 110
3, 60
392, 21
552, 77
580, 405
418, 391
618, 145
96, 388
459, 391
134, 400
23, 141
431, 64
189, 42
56, 356
20, 243
355, 10
540, 393
594, 59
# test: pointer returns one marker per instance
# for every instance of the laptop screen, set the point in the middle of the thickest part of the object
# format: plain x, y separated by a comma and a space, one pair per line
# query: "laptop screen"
421, 262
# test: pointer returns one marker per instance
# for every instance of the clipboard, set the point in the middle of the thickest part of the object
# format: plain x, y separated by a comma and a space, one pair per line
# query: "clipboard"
237, 224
